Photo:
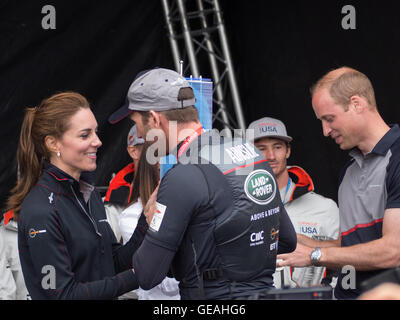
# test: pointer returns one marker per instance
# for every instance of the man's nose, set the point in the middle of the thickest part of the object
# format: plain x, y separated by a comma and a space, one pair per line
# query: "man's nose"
269, 154
326, 129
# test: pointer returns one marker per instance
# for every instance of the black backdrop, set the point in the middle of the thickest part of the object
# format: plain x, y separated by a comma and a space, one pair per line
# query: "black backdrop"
279, 49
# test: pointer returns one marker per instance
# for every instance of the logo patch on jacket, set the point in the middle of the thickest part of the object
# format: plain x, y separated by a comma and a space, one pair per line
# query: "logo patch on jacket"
260, 186
309, 228
158, 217
51, 198
33, 232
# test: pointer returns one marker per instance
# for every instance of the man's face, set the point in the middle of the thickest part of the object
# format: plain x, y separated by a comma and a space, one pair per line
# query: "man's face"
276, 151
141, 128
342, 126
151, 132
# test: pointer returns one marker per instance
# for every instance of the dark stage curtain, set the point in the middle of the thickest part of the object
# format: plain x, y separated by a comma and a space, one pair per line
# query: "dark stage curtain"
279, 49
96, 49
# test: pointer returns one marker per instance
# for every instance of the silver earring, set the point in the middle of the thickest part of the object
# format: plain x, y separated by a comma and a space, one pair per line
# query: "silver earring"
58, 154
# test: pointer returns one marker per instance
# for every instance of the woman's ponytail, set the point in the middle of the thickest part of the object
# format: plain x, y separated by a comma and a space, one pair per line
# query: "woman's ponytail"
29, 163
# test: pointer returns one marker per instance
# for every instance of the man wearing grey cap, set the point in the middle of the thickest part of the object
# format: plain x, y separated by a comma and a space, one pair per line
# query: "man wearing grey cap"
120, 188
312, 215
214, 221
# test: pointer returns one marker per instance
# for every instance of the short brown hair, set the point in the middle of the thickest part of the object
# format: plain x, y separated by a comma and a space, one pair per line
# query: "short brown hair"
184, 115
343, 83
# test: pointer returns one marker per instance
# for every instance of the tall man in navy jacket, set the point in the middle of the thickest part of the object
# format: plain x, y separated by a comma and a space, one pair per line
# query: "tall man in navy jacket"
218, 213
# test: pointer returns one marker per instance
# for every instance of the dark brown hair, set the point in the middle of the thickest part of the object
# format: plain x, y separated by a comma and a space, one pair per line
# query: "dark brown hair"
50, 118
146, 178
184, 115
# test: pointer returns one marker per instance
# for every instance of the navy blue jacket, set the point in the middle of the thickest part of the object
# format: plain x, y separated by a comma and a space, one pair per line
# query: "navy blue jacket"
216, 211
67, 248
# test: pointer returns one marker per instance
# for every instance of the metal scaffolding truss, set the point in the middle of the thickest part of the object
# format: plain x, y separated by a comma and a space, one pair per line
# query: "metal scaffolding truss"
196, 28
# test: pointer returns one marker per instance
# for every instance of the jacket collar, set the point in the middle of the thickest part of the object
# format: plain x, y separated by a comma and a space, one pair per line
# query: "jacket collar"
387, 140
61, 176
120, 186
303, 182
56, 173
383, 145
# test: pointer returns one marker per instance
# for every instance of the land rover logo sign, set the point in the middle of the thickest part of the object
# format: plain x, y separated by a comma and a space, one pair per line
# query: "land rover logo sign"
260, 187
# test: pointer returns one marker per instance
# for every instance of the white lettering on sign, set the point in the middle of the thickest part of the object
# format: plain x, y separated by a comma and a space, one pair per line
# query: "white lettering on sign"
241, 153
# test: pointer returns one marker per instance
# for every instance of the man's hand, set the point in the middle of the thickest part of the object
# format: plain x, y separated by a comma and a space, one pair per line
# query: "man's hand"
298, 258
150, 207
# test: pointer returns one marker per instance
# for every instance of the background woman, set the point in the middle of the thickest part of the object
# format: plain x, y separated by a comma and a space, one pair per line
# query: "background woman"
145, 182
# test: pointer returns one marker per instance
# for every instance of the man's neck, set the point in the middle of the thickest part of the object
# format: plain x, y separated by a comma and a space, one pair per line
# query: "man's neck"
183, 131
373, 135
283, 179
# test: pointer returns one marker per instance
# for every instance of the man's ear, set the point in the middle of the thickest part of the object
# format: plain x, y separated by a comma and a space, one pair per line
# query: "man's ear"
154, 118
358, 103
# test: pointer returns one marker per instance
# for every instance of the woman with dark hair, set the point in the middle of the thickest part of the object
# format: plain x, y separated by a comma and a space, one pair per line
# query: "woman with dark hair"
66, 246
145, 182
146, 178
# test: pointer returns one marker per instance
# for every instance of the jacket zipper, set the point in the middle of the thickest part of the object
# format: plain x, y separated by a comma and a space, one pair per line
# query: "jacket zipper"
87, 214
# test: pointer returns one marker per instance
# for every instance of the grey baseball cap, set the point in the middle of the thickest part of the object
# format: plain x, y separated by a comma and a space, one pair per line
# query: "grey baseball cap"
155, 89
133, 138
269, 128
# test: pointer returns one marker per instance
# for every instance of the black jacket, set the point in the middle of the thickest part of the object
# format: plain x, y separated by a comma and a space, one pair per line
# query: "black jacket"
217, 222
67, 248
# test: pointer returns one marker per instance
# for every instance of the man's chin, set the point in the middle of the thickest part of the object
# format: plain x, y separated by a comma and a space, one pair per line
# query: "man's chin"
274, 168
277, 172
343, 146
346, 147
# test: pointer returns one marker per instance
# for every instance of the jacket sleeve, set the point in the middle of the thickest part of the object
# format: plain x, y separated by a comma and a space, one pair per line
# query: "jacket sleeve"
123, 254
46, 262
287, 235
178, 199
